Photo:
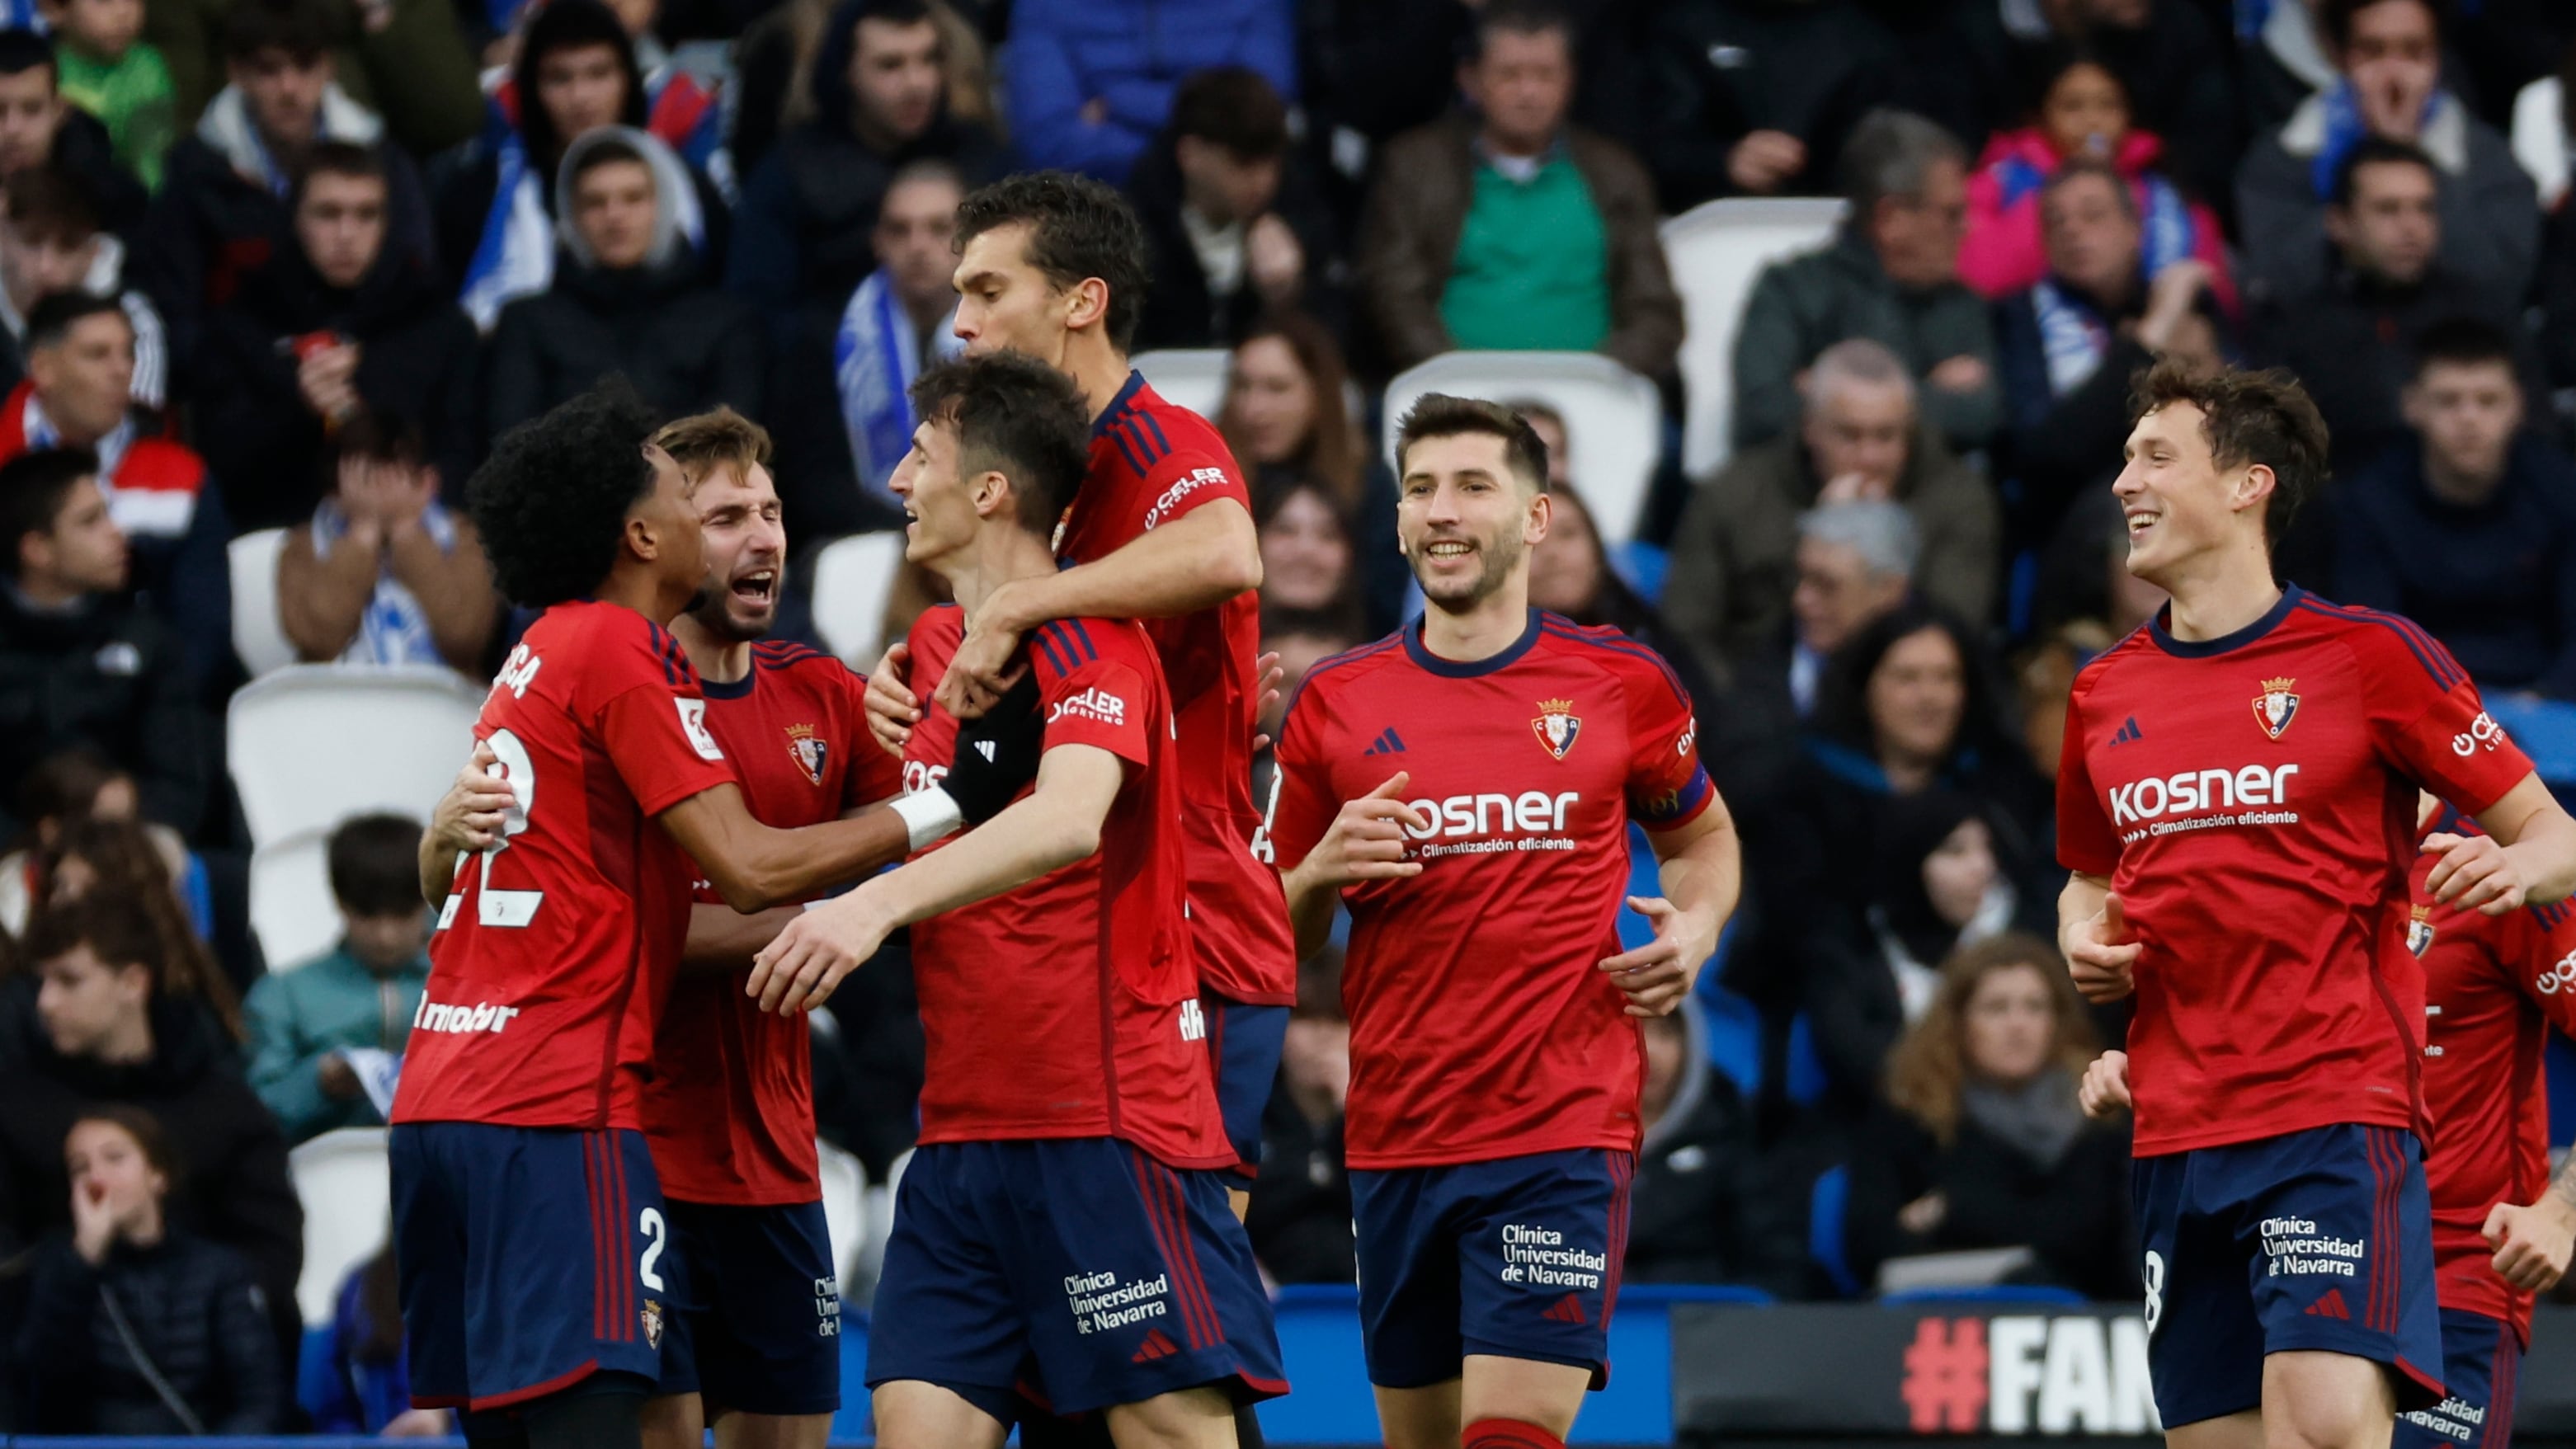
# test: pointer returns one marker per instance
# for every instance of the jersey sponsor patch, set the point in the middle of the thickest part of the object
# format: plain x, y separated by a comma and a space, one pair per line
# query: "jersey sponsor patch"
693, 719
1095, 704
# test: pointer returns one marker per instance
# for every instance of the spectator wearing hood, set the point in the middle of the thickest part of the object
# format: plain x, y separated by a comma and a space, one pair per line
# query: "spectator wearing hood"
342, 323
406, 60
38, 126
628, 296
1090, 82
804, 235
1687, 1201
53, 239
677, 107
496, 197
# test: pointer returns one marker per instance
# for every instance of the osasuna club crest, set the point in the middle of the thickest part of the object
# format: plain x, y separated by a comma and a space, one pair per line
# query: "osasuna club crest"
810, 752
652, 1315
1556, 726
2276, 706
2419, 931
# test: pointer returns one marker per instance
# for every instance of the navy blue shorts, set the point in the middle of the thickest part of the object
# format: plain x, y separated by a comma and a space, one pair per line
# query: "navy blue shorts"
530, 1258
2481, 1368
760, 1331
1079, 1273
2316, 1240
1518, 1258
1244, 1043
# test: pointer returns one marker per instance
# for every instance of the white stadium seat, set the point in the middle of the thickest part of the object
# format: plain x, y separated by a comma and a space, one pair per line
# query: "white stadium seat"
313, 744
341, 1178
852, 577
1194, 377
291, 909
1613, 420
1716, 250
845, 1185
258, 636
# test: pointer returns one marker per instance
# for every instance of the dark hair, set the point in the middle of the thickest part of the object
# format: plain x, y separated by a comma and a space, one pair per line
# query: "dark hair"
375, 865
143, 1127
1842, 695
2247, 417
829, 79
24, 50
607, 152
132, 875
64, 785
1343, 614
1334, 456
341, 158
1234, 107
551, 501
1521, 17
1613, 602
51, 320
1019, 417
2335, 18
1891, 154
32, 489
1078, 228
2463, 342
1927, 1070
381, 437
1438, 415
570, 25
298, 27
116, 933
2376, 151
2080, 167
45, 201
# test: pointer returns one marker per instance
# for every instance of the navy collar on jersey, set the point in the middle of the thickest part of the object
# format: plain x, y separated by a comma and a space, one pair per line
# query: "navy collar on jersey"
718, 689
1119, 404
1469, 668
2209, 648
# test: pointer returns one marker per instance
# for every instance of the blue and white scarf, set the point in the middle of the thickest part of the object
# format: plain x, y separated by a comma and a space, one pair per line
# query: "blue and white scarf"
516, 255
2073, 336
2344, 130
394, 629
875, 357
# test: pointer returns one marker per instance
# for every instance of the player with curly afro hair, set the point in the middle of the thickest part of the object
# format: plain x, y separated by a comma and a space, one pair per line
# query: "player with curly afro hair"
567, 498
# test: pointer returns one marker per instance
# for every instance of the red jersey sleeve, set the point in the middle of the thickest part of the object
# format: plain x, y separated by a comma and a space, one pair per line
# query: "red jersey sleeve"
2542, 958
1175, 477
644, 703
1302, 802
1668, 786
874, 774
2428, 722
2085, 840
1093, 685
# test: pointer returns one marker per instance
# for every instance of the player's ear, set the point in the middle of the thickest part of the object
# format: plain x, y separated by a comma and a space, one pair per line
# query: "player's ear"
2253, 486
1086, 304
1542, 510
991, 493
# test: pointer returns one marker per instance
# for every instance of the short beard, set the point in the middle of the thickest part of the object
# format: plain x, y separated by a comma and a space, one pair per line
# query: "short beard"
710, 609
1499, 556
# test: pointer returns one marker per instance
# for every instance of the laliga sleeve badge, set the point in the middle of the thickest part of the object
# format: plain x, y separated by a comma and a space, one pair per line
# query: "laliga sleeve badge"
1556, 726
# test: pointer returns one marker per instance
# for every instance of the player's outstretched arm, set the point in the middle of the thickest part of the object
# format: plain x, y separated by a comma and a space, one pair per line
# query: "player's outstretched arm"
755, 867
2526, 857
2093, 931
1702, 871
1056, 825
1364, 843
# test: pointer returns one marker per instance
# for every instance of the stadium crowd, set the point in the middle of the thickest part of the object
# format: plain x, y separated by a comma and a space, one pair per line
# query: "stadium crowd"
294, 264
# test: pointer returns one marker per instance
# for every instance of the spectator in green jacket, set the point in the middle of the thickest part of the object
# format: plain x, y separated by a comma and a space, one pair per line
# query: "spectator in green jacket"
305, 1021
103, 66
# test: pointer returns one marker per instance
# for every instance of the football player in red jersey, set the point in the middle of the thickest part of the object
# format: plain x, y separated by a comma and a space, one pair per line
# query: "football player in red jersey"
528, 1223
2235, 806
1465, 788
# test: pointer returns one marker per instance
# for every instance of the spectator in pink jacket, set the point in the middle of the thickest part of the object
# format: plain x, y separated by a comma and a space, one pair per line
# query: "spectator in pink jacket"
2083, 112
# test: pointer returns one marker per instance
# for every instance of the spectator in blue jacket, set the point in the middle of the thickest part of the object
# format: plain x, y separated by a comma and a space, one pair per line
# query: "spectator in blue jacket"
1090, 82
367, 1389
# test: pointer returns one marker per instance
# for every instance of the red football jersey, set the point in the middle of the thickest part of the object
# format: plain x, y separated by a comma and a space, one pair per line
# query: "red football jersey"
1480, 1026
730, 1109
2493, 986
1151, 462
1067, 1007
556, 948
2252, 801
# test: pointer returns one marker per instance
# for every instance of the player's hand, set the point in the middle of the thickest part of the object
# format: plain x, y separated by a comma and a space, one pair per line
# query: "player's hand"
2532, 1244
1366, 839
417, 1424
1266, 694
1014, 731
986, 663
819, 949
468, 817
892, 709
2474, 873
2100, 954
2105, 1088
1657, 975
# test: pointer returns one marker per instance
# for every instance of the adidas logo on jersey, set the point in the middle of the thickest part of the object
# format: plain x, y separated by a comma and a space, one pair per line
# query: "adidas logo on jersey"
1095, 704
1388, 742
1568, 1309
481, 1016
2330, 1306
2127, 732
1155, 1346
984, 748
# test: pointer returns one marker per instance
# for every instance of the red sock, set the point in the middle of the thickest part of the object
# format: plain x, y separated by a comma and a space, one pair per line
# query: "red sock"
1508, 1434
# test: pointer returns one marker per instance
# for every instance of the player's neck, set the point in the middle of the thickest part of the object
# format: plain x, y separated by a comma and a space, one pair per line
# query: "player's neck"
1485, 629
1099, 369
2215, 596
718, 660
636, 586
999, 554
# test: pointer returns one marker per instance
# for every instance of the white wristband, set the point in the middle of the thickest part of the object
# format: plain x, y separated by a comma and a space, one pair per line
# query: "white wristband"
928, 814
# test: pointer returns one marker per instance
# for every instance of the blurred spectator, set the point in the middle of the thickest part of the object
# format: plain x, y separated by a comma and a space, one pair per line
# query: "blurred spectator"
2544, 132
1300, 1222
2080, 617
897, 322
1571, 574
111, 1028
79, 393
338, 325
1686, 1201
1855, 562
64, 789
1287, 418
79, 664
104, 66
55, 241
2067, 346
2389, 54
805, 234
1892, 276
1734, 557
222, 212
2469, 528
1757, 97
773, 74
2282, 59
1979, 1142
406, 60
1990, 66
628, 297
2083, 115
39, 127
111, 856
134, 1324
368, 1388
1090, 81
677, 107
500, 201
305, 1018
384, 573
1504, 227
1301, 640
2351, 337
1233, 227
1308, 556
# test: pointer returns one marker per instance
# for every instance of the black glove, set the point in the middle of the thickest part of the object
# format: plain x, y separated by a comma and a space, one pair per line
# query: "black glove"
997, 754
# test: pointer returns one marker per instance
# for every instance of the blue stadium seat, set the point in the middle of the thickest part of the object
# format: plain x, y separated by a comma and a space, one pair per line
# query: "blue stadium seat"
2025, 1293
2546, 730
1805, 1070
1664, 1295
1828, 1204
1734, 1035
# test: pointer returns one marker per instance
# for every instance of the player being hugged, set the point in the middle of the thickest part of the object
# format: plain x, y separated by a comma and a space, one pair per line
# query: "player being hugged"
2237, 808
1064, 1218
533, 1245
1465, 788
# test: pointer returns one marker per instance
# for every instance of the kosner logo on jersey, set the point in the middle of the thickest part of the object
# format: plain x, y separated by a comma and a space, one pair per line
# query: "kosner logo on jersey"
1531, 820
2187, 791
